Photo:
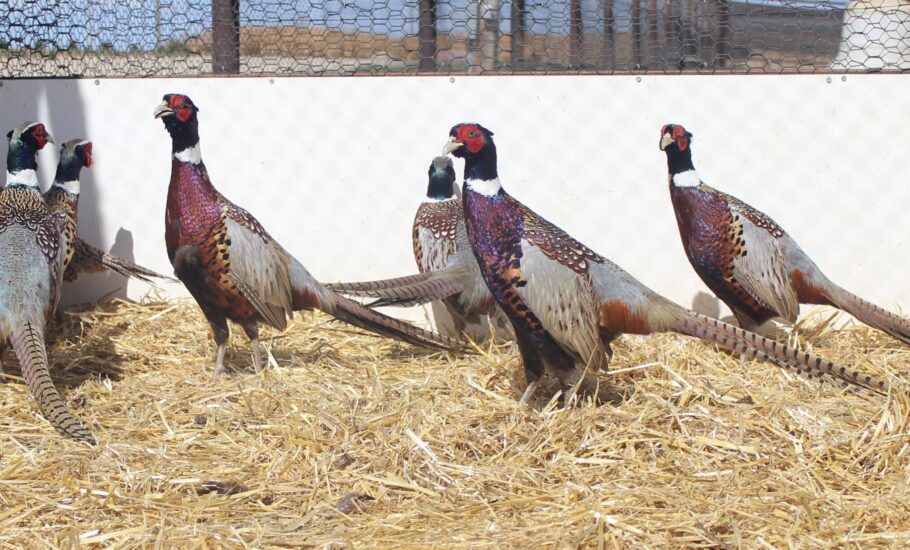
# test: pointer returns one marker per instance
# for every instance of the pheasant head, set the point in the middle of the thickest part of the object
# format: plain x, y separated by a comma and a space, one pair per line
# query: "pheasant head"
74, 155
442, 179
474, 144
676, 142
24, 143
179, 114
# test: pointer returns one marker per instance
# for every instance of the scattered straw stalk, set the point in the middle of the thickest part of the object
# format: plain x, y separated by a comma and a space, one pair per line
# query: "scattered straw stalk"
355, 440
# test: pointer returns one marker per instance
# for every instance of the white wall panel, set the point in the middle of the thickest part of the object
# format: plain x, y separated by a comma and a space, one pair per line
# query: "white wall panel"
335, 167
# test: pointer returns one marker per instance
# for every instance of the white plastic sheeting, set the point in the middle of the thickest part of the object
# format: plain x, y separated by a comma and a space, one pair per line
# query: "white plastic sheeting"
335, 167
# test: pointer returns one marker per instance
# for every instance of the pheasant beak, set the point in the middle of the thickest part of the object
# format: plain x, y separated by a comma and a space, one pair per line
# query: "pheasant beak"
665, 141
451, 145
163, 110
49, 138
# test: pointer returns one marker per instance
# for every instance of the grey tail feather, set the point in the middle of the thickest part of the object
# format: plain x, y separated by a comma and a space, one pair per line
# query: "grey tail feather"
28, 343
742, 341
871, 314
363, 317
407, 291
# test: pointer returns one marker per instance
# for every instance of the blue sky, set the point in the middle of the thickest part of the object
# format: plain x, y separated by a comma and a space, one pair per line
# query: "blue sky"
140, 23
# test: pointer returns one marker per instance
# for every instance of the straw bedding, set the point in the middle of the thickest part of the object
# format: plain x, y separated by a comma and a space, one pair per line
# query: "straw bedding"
352, 440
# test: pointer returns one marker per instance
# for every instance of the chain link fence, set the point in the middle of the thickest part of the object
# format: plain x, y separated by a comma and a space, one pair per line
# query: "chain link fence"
45, 38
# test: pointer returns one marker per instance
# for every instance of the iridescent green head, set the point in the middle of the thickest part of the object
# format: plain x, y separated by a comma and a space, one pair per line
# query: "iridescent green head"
74, 155
24, 143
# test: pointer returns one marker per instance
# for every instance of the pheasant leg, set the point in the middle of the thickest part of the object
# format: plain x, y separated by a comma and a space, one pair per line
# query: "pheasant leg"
219, 358
529, 391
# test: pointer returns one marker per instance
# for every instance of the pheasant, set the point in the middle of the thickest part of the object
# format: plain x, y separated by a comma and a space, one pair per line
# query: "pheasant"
448, 269
746, 258
31, 268
232, 267
63, 197
566, 302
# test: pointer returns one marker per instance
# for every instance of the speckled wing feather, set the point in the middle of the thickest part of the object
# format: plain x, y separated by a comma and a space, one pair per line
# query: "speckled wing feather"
565, 303
555, 284
760, 263
555, 243
441, 247
57, 223
258, 266
763, 271
712, 236
59, 201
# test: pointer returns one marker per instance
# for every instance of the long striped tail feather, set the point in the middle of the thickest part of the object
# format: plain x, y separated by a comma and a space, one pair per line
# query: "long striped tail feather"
412, 290
755, 346
28, 343
872, 315
363, 317
130, 269
89, 259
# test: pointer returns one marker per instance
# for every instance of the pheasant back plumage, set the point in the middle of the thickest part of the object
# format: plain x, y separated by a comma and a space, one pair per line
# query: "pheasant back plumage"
26, 207
555, 243
30, 237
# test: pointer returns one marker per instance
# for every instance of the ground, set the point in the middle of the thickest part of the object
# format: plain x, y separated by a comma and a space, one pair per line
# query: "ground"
351, 440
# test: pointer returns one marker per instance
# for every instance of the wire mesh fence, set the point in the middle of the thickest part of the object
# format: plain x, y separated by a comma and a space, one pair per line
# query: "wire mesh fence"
45, 38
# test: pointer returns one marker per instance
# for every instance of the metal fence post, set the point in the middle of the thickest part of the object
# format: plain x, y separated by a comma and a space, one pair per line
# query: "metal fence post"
517, 30
576, 36
427, 36
226, 36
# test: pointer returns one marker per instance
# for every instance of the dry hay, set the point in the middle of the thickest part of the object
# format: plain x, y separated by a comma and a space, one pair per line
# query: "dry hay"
355, 440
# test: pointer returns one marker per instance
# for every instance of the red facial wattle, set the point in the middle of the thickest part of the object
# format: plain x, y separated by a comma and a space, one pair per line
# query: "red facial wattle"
87, 153
40, 135
681, 137
472, 138
181, 107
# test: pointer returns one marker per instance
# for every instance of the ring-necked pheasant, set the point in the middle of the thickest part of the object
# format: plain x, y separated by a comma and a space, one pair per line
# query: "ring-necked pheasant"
448, 269
63, 197
745, 257
232, 267
566, 302
31, 268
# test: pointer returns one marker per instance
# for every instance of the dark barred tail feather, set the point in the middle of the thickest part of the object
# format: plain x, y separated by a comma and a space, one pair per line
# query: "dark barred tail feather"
363, 317
88, 259
753, 345
28, 343
412, 290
